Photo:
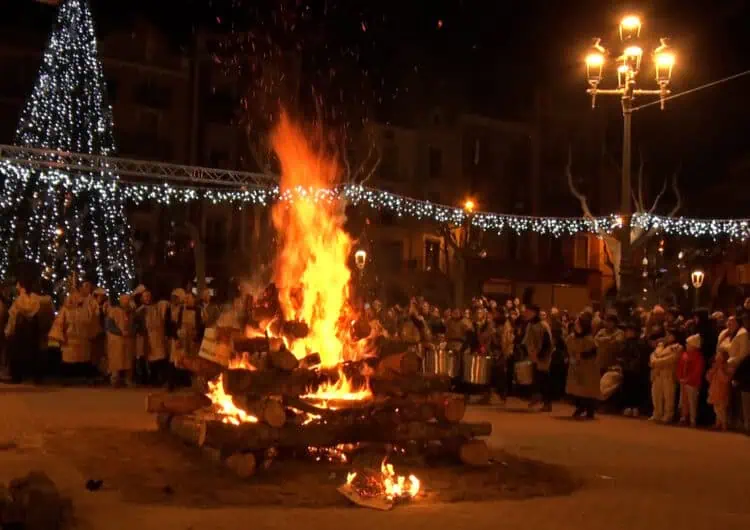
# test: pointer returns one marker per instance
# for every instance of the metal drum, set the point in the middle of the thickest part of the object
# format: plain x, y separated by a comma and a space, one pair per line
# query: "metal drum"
440, 361
477, 369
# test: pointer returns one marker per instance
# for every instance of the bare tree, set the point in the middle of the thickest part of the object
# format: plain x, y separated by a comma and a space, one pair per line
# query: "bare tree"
466, 243
638, 235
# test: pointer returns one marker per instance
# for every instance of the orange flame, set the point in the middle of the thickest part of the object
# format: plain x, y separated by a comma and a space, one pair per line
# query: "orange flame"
393, 487
311, 267
224, 405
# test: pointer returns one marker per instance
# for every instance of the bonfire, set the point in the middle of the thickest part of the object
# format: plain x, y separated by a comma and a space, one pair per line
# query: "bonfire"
300, 380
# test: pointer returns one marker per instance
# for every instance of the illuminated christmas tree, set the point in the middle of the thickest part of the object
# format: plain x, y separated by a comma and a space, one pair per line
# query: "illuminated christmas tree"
66, 222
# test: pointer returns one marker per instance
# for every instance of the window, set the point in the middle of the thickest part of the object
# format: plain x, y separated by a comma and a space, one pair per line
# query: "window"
431, 255
435, 167
581, 252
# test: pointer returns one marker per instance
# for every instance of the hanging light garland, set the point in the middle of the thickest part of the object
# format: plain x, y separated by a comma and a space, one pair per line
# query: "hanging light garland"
399, 205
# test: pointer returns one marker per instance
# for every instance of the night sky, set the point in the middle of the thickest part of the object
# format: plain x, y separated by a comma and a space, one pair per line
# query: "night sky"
390, 59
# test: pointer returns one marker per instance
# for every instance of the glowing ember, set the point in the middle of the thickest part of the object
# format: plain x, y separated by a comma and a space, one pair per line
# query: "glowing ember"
330, 454
224, 405
311, 267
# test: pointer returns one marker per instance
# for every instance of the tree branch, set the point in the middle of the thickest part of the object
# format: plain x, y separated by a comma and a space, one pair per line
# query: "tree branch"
676, 189
658, 197
577, 194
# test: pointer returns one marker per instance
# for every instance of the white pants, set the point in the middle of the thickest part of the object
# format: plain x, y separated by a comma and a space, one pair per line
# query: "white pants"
689, 403
663, 389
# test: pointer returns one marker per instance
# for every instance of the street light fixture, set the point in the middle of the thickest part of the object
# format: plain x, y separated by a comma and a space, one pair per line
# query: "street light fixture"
697, 278
360, 259
629, 65
469, 206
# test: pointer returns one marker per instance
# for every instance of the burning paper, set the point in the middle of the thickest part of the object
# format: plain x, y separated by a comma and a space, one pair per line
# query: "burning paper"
381, 489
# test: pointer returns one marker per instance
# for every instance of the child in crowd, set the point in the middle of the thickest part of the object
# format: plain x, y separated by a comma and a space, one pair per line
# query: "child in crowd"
719, 391
663, 363
690, 375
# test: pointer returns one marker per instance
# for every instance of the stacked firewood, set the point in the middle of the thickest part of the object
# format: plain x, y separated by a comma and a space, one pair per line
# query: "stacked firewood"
278, 392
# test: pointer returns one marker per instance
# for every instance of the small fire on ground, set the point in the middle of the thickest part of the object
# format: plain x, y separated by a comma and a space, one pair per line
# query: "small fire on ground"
380, 489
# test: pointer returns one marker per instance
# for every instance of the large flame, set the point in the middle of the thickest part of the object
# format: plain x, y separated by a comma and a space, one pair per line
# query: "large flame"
311, 269
224, 405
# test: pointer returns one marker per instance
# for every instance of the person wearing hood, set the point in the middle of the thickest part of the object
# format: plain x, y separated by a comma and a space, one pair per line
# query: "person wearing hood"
736, 341
583, 370
690, 369
151, 321
22, 332
73, 330
189, 330
537, 341
609, 341
120, 341
663, 363
210, 310
633, 360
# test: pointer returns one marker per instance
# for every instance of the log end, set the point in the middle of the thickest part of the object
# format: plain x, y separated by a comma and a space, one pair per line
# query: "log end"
242, 464
474, 453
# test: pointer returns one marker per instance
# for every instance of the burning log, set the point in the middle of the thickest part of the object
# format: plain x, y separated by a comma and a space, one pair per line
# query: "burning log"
257, 436
269, 382
176, 403
283, 359
406, 385
202, 367
300, 382
310, 360
188, 428
405, 363
267, 410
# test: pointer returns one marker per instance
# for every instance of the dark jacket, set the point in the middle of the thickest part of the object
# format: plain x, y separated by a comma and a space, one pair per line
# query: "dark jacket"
634, 356
741, 376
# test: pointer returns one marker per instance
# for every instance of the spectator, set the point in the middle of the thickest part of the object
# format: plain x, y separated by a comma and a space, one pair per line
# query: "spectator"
663, 364
120, 342
690, 375
633, 360
719, 383
538, 345
741, 381
583, 370
608, 341
735, 340
22, 332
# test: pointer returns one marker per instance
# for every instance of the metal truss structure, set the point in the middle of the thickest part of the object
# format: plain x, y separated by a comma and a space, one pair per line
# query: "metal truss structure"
134, 170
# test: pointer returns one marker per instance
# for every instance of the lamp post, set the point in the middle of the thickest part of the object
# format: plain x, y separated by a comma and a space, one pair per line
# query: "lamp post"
628, 67
697, 278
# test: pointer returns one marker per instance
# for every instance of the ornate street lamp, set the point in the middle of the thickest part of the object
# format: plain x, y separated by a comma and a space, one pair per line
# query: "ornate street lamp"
629, 65
697, 277
360, 259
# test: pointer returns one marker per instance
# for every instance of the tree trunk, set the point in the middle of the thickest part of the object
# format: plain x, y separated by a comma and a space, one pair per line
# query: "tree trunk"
459, 280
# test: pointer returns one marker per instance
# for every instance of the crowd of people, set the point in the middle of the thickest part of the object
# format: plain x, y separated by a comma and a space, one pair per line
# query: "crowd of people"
694, 368
688, 368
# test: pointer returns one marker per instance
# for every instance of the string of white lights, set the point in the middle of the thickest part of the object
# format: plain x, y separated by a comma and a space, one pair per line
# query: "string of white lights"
398, 205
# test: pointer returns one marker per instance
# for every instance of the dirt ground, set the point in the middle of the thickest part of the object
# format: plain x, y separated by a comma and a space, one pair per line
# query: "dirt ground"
616, 473
149, 467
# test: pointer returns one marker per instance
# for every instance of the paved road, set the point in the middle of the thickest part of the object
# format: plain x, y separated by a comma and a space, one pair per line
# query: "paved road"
638, 475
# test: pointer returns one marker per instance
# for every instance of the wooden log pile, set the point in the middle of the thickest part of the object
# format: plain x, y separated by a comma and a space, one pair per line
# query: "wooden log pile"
279, 395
